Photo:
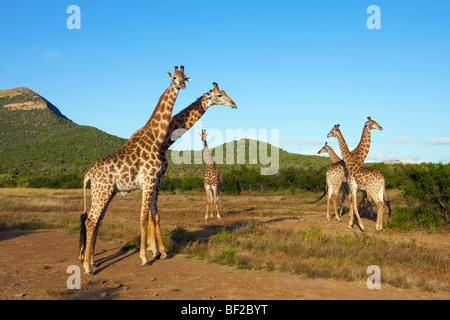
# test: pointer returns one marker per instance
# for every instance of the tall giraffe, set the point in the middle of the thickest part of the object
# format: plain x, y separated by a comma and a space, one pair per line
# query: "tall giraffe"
362, 177
337, 172
134, 166
336, 176
213, 179
179, 124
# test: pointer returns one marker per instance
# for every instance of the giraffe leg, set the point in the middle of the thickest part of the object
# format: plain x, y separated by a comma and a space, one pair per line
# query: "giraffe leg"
379, 224
329, 195
345, 193
151, 241
161, 248
90, 225
342, 200
208, 200
335, 208
380, 205
147, 191
328, 208
98, 209
216, 200
354, 211
357, 213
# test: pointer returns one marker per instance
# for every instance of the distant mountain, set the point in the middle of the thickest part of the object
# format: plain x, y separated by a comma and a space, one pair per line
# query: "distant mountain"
397, 162
36, 139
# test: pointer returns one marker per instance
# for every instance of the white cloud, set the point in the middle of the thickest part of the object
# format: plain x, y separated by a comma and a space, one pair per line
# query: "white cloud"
403, 140
48, 54
438, 141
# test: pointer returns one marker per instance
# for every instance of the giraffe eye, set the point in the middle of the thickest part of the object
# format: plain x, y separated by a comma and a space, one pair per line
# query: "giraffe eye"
219, 95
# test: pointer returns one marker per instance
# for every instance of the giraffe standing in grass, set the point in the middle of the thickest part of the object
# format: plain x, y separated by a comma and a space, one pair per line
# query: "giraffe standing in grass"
179, 124
336, 176
213, 179
364, 178
337, 173
135, 166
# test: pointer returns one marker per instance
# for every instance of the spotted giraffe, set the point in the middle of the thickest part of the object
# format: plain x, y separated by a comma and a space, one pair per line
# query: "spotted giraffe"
213, 179
337, 173
134, 166
179, 124
361, 177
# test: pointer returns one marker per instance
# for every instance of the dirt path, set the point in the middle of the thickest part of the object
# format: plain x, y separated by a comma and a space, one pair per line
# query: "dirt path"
33, 266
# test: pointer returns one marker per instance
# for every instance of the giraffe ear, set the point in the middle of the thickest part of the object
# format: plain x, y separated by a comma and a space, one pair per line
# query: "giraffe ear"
187, 79
170, 75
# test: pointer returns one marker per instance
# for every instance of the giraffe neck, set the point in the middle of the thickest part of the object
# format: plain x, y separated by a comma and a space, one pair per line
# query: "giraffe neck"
154, 131
207, 155
361, 151
349, 159
333, 156
184, 120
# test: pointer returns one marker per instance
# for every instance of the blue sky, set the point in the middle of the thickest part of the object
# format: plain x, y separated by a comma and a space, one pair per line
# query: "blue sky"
296, 66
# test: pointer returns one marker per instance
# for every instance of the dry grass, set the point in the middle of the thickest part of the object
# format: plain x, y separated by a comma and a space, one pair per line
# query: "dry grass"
281, 232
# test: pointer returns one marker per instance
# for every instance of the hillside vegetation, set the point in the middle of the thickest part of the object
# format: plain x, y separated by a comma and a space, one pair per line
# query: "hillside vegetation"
40, 147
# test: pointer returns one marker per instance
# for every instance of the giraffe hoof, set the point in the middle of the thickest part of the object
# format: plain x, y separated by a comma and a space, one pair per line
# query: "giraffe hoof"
163, 255
89, 273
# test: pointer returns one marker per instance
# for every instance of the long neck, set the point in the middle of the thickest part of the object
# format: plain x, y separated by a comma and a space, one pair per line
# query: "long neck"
361, 151
185, 119
333, 156
207, 155
156, 127
349, 160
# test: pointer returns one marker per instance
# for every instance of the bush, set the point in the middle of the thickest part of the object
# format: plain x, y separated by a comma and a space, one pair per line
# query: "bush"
427, 194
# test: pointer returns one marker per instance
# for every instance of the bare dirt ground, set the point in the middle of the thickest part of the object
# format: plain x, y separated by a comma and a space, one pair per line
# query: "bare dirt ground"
33, 264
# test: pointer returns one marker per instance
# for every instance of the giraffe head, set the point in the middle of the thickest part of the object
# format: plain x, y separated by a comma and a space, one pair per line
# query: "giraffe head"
372, 124
203, 135
334, 132
178, 78
325, 149
218, 97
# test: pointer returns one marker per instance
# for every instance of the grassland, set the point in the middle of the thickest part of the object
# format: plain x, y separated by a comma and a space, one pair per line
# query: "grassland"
278, 232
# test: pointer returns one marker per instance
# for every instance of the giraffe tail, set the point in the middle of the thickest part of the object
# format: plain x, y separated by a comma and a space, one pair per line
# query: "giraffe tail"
83, 217
321, 197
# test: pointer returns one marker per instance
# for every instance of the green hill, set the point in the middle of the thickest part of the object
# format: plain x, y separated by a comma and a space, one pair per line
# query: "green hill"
38, 141
39, 146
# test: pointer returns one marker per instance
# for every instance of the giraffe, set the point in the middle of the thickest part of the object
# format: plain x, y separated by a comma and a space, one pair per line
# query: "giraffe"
179, 124
337, 171
135, 166
336, 176
213, 179
362, 177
